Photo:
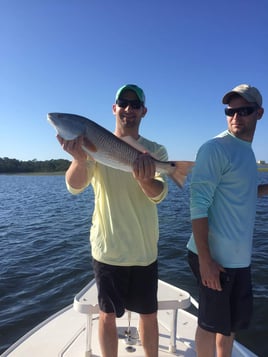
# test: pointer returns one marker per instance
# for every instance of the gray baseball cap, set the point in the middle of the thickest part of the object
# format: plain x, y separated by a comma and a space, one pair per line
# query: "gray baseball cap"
249, 93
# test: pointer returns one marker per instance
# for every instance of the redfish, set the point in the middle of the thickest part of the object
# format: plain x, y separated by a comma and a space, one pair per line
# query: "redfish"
109, 150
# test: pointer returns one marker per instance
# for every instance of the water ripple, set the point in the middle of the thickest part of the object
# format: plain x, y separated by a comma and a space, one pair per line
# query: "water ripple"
45, 252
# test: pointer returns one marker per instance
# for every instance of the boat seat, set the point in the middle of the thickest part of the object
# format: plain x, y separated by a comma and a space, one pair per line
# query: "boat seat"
86, 302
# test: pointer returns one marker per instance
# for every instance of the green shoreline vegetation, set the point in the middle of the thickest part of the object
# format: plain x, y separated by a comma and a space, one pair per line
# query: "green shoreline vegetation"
14, 166
55, 167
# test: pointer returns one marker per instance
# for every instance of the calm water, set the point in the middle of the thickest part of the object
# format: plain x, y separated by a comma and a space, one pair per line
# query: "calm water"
45, 253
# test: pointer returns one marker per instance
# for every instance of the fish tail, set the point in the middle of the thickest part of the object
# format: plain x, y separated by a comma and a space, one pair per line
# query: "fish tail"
180, 170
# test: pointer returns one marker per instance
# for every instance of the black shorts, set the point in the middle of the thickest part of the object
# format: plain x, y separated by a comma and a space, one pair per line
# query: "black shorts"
133, 288
228, 310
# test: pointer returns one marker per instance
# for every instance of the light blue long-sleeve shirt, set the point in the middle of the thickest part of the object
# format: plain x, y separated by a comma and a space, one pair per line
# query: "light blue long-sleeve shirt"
224, 189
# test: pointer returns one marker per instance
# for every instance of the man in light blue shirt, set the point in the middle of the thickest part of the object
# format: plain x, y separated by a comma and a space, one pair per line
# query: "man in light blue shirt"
223, 204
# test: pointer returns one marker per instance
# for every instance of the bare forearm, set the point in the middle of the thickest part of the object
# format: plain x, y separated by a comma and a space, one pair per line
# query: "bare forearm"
77, 174
151, 187
262, 190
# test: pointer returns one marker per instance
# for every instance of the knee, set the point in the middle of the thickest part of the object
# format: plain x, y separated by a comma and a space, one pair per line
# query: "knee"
107, 319
149, 317
224, 343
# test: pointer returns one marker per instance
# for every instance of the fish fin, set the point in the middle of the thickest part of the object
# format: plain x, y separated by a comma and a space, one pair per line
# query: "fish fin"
135, 144
180, 172
88, 146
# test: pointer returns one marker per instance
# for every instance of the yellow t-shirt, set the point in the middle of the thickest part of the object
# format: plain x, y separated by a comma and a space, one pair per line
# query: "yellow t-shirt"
124, 227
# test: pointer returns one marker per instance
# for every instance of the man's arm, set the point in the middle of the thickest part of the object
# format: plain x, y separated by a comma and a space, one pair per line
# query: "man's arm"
209, 269
144, 173
77, 174
262, 190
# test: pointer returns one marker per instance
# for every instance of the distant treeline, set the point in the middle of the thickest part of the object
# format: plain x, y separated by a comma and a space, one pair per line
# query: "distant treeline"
15, 166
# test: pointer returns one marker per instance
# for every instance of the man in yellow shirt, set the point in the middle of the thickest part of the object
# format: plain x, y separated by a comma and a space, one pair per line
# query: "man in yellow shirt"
124, 233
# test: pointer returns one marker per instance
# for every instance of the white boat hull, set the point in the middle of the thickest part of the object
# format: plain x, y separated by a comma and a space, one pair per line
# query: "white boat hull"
73, 332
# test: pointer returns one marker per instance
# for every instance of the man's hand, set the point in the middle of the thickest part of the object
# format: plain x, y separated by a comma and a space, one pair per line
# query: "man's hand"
144, 172
144, 167
74, 147
210, 274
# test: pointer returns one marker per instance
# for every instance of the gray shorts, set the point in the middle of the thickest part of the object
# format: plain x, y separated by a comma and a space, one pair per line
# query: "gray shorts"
133, 288
228, 310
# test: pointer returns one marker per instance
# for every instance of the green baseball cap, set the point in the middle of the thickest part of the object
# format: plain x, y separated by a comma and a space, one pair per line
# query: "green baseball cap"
139, 92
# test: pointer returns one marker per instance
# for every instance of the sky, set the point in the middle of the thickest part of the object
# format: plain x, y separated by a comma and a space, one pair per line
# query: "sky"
72, 55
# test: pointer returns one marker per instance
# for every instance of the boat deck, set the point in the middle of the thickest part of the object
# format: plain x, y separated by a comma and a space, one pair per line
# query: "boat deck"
53, 340
73, 331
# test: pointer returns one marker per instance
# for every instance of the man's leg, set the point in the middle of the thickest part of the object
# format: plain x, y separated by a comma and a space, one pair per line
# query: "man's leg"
224, 345
148, 329
205, 343
108, 334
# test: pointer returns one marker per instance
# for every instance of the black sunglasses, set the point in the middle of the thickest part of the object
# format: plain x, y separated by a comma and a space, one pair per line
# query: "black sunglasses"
135, 104
242, 111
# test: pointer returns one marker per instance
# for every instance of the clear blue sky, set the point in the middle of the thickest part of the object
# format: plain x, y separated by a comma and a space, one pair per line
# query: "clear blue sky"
72, 55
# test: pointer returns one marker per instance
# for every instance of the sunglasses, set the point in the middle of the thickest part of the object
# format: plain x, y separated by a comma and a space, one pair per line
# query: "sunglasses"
134, 104
242, 111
